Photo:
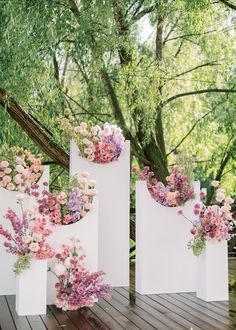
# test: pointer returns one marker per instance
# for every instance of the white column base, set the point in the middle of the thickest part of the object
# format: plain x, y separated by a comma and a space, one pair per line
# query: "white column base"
31, 289
212, 272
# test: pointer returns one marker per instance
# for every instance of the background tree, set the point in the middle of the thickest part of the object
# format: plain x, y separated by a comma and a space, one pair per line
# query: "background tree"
162, 70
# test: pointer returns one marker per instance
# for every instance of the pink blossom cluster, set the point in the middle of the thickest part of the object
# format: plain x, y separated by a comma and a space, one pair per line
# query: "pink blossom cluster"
212, 222
19, 167
176, 192
77, 287
30, 233
71, 205
97, 144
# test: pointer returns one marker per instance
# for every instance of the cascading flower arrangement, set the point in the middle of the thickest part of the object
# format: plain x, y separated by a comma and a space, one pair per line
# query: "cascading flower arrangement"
18, 167
71, 204
100, 145
29, 238
212, 222
77, 287
175, 193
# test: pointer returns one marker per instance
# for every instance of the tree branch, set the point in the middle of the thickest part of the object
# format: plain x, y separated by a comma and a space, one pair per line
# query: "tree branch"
144, 12
201, 91
41, 137
228, 4
193, 69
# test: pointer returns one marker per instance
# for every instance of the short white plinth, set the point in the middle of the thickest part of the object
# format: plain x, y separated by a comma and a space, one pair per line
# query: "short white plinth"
8, 201
86, 230
164, 264
212, 272
113, 185
31, 289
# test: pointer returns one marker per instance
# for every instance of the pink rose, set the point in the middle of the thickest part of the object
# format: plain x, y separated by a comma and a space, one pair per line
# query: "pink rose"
19, 168
7, 170
34, 247
4, 164
7, 178
11, 186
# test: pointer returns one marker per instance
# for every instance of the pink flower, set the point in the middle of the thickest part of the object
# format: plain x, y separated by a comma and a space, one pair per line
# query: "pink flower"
7, 178
4, 164
19, 168
20, 197
8, 170
180, 212
215, 183
34, 247
11, 186
193, 231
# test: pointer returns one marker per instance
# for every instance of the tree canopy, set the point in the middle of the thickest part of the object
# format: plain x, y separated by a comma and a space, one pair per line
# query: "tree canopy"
163, 70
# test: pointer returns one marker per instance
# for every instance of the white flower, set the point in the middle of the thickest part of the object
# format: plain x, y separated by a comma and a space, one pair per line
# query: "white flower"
229, 200
59, 269
220, 190
228, 216
220, 197
84, 174
20, 197
26, 239
37, 237
225, 208
92, 183
34, 247
19, 168
215, 183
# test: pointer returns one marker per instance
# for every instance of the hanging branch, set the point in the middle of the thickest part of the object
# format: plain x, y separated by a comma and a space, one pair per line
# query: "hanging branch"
35, 131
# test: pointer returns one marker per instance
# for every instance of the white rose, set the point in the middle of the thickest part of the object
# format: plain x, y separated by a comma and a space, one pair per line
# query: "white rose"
59, 269
26, 239
20, 197
215, 183
229, 200
228, 216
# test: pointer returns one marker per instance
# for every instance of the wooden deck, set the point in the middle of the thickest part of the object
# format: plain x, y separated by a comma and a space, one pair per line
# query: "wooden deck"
129, 310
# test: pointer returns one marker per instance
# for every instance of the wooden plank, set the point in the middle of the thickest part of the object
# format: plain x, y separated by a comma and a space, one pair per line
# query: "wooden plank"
106, 318
175, 317
21, 322
141, 318
36, 322
119, 317
62, 318
195, 312
195, 320
93, 319
6, 321
50, 321
78, 319
164, 318
208, 305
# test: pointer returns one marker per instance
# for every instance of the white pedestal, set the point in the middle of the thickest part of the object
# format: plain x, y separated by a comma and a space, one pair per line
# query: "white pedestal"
164, 264
86, 230
212, 272
31, 288
113, 185
8, 201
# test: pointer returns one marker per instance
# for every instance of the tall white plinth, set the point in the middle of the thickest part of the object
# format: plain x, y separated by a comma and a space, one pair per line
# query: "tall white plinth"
8, 201
86, 230
113, 185
212, 272
164, 264
31, 287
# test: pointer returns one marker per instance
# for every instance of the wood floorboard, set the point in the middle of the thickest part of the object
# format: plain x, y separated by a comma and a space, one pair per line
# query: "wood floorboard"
195, 312
21, 322
93, 319
62, 318
163, 317
173, 316
107, 319
6, 322
36, 323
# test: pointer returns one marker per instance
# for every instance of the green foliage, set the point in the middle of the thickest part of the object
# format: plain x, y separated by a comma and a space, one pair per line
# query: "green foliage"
22, 263
51, 60
197, 245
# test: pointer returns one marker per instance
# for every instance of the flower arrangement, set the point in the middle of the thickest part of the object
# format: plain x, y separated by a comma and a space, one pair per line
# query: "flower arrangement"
29, 238
213, 222
175, 193
70, 205
97, 144
18, 167
76, 286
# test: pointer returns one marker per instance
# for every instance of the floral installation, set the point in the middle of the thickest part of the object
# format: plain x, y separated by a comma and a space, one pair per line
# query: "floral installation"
18, 167
77, 287
97, 144
212, 222
71, 204
29, 238
175, 193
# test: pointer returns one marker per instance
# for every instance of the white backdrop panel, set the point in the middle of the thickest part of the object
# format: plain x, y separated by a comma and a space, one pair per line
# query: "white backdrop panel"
164, 264
113, 185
